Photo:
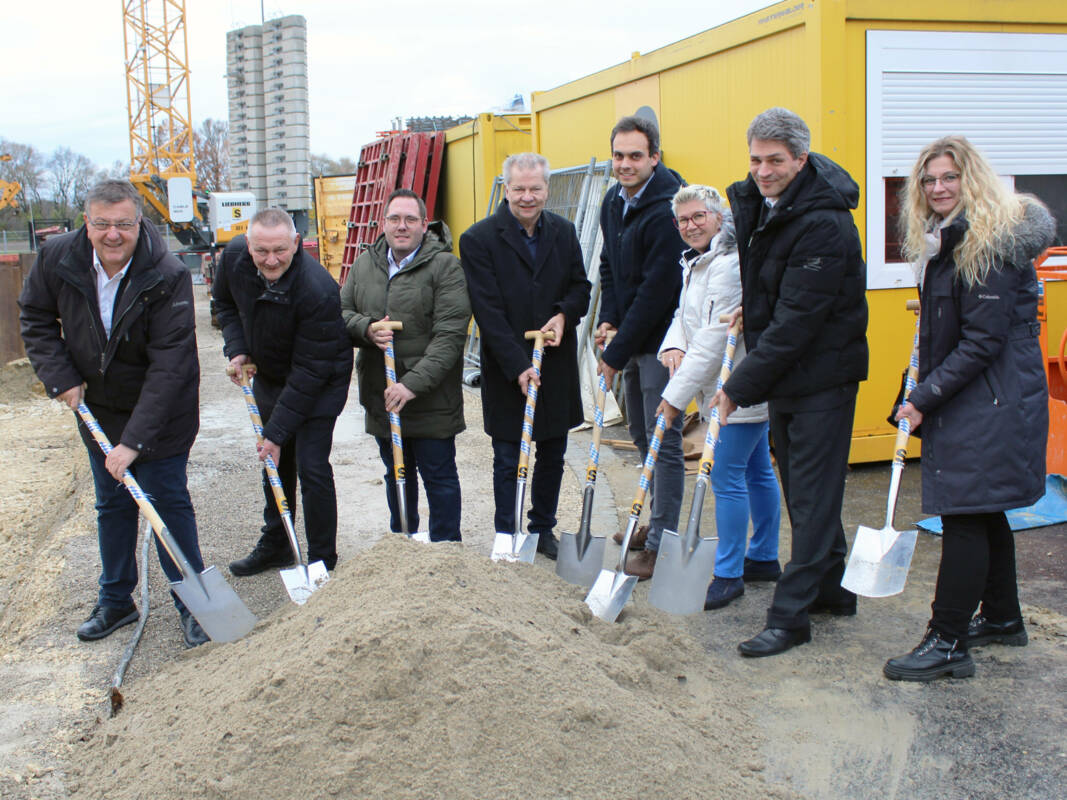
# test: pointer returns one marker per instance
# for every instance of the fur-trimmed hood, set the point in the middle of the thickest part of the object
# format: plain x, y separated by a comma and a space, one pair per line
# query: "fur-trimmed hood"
1034, 233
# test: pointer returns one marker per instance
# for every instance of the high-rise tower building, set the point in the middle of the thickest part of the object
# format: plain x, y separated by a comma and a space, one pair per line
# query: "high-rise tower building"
270, 140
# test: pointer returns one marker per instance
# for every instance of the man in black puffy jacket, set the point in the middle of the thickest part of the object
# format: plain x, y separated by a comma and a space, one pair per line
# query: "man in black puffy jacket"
107, 317
280, 310
805, 326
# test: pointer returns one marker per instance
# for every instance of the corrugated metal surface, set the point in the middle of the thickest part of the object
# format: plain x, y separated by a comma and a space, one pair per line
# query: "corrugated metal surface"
333, 202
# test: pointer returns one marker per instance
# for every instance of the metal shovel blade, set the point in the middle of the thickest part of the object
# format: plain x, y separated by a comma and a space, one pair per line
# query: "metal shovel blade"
216, 606
520, 547
301, 582
879, 562
611, 591
680, 582
420, 536
576, 567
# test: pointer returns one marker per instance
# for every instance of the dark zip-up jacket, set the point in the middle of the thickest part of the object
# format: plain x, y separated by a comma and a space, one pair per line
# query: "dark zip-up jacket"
142, 383
292, 331
429, 296
804, 286
982, 387
640, 278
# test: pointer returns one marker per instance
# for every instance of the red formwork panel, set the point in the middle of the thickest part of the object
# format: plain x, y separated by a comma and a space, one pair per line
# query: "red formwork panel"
399, 160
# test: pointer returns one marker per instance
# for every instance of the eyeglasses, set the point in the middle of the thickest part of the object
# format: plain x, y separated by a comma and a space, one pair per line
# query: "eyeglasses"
697, 219
395, 219
122, 225
948, 179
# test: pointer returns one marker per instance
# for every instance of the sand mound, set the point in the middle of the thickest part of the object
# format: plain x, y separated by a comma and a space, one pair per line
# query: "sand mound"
18, 382
429, 671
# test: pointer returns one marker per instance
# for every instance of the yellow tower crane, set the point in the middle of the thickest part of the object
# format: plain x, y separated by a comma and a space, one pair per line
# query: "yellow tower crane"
160, 112
8, 189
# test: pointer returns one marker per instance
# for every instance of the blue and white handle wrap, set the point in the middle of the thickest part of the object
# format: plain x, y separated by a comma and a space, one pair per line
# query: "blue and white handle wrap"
394, 418
598, 429
531, 404
904, 426
650, 463
135, 490
273, 478
707, 459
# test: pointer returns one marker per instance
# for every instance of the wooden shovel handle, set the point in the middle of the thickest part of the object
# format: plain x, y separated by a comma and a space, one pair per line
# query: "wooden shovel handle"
531, 399
904, 427
707, 457
598, 420
649, 465
390, 379
387, 325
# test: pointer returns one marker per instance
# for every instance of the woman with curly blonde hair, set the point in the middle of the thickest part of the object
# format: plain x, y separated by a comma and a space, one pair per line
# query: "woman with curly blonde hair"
981, 398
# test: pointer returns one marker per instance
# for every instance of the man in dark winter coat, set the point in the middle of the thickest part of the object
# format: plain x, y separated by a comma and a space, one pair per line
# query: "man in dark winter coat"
640, 281
280, 310
410, 275
107, 318
525, 272
805, 322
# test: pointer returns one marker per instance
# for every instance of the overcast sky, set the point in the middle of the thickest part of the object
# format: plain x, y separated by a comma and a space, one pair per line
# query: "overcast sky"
64, 82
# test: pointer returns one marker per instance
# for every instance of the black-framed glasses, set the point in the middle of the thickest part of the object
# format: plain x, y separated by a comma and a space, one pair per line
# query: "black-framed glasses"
395, 219
698, 219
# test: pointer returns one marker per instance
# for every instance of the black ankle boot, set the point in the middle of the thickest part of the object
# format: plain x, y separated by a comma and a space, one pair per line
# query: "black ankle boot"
935, 656
981, 631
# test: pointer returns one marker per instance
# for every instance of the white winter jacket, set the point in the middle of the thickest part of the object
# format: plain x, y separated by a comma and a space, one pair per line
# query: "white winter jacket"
711, 287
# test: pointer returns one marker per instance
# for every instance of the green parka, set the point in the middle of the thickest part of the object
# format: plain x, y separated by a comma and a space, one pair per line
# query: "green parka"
429, 296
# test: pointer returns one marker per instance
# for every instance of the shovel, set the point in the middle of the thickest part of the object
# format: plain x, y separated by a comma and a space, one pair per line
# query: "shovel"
613, 588
879, 562
399, 473
685, 563
519, 546
581, 554
303, 579
211, 600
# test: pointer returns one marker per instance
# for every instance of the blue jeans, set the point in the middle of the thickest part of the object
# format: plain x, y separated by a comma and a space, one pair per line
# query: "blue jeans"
542, 489
644, 379
164, 483
435, 462
745, 485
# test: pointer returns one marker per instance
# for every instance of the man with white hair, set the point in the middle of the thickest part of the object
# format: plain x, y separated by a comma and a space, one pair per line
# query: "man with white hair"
525, 272
280, 310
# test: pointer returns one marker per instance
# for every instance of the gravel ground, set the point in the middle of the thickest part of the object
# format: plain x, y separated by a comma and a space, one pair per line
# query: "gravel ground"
833, 726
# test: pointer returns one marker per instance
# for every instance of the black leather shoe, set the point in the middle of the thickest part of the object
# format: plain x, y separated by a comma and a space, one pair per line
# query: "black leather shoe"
260, 560
191, 630
547, 546
772, 641
981, 631
105, 620
722, 592
761, 570
935, 656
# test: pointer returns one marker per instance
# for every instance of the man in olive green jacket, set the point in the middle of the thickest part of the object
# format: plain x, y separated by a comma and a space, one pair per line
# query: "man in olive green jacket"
410, 275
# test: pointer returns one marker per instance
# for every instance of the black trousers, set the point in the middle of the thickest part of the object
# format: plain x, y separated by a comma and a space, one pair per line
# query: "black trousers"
307, 454
812, 436
542, 489
977, 565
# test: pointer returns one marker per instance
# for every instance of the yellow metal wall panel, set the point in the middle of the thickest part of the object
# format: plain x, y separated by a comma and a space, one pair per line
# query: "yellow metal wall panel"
459, 189
708, 104
571, 134
631, 96
333, 206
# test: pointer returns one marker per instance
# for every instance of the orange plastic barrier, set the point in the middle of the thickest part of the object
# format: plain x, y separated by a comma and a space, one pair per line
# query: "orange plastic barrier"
1055, 363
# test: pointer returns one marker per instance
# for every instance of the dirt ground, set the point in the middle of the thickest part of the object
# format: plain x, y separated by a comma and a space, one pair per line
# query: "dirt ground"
819, 721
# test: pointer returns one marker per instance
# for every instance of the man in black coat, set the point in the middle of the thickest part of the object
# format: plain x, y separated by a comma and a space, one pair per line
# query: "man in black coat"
107, 318
640, 280
525, 272
805, 324
280, 310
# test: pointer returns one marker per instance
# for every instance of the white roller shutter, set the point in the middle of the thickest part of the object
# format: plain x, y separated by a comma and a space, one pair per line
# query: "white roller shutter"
1007, 93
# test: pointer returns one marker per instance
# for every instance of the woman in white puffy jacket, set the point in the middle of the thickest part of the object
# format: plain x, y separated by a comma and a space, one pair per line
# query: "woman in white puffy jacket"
742, 478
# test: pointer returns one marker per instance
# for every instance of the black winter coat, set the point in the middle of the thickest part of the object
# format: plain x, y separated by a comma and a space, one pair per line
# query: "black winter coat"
804, 286
511, 294
142, 383
292, 331
640, 277
982, 387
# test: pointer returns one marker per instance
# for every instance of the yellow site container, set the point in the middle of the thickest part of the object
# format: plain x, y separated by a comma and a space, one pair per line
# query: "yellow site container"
824, 60
474, 153
333, 205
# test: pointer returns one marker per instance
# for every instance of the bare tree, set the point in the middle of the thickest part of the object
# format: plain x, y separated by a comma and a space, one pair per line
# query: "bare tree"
70, 176
325, 165
25, 167
211, 147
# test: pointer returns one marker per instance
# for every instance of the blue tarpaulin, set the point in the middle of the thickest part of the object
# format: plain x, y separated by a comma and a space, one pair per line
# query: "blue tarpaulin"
1049, 510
